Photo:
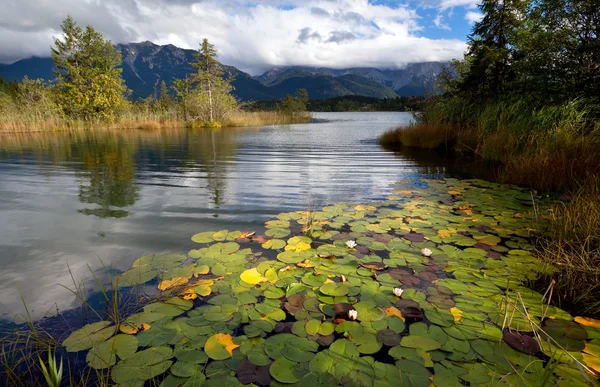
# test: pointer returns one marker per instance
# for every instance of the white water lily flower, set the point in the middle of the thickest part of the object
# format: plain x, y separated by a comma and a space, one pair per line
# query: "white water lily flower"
426, 252
351, 244
353, 314
398, 292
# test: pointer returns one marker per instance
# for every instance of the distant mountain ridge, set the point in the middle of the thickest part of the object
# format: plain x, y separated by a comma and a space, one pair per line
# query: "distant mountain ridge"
414, 79
146, 65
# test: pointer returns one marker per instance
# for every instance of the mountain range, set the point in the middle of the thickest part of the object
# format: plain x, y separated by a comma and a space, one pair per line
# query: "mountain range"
146, 65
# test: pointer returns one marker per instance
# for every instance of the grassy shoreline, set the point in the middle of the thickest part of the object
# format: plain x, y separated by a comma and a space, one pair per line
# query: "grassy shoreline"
148, 121
551, 150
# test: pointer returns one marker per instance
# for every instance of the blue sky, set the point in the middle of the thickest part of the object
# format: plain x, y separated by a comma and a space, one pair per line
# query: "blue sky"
257, 35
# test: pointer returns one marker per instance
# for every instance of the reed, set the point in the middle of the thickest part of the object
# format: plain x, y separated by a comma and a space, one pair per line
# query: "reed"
569, 239
21, 123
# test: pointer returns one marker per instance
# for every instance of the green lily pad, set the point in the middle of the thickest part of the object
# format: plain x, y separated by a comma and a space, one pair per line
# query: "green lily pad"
282, 370
88, 336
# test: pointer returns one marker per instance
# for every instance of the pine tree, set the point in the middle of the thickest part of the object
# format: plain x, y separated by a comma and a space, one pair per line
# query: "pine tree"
88, 73
212, 95
491, 47
209, 71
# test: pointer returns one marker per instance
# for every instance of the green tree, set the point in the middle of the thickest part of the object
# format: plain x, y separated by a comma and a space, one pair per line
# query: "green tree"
88, 73
296, 104
491, 47
212, 98
183, 89
164, 99
560, 50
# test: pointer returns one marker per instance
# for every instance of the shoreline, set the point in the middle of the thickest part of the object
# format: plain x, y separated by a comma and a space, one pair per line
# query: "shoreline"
237, 120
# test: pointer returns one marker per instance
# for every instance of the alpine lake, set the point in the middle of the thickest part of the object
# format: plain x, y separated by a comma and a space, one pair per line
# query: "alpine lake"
300, 255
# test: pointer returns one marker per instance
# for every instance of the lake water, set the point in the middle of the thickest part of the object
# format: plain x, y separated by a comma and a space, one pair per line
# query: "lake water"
81, 201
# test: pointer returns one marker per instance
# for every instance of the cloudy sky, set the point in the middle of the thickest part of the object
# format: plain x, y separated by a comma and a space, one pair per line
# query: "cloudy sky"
257, 35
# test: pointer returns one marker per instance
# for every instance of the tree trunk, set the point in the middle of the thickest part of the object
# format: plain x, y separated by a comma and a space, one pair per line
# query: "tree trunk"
210, 102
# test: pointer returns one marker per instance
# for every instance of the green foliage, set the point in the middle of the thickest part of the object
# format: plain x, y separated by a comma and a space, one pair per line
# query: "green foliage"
52, 373
88, 77
545, 51
211, 99
293, 105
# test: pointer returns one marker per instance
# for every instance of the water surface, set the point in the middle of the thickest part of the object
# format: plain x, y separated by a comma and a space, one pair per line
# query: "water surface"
87, 200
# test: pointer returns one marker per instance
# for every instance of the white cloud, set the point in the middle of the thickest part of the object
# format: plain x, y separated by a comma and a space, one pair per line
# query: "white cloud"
251, 36
473, 17
439, 22
447, 4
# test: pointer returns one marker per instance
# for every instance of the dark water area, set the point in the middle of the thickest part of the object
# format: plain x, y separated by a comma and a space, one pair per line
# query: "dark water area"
76, 205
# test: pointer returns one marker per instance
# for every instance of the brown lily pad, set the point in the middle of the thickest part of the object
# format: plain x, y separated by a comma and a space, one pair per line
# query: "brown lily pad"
400, 304
388, 337
521, 343
374, 265
248, 373
428, 276
412, 312
413, 237
441, 301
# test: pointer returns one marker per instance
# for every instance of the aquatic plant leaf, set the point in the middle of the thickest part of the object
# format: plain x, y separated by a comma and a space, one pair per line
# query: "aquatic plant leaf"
277, 232
220, 346
374, 265
388, 337
137, 276
420, 342
521, 343
274, 244
290, 257
252, 276
591, 361
88, 336
588, 321
172, 283
143, 365
102, 355
297, 354
368, 311
203, 237
282, 370
334, 289
412, 374
132, 329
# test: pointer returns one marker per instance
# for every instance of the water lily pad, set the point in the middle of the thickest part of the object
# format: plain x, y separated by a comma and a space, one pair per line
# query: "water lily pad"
203, 237
420, 342
388, 337
220, 346
521, 343
334, 289
282, 370
277, 232
88, 336
136, 276
252, 276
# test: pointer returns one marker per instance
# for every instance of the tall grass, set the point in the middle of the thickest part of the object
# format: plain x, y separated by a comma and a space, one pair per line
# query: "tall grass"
570, 240
548, 148
20, 122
